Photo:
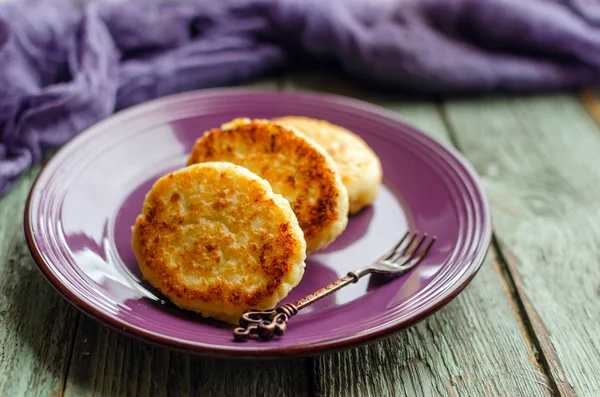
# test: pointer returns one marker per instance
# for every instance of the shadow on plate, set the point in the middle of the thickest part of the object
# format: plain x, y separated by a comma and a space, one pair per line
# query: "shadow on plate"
358, 224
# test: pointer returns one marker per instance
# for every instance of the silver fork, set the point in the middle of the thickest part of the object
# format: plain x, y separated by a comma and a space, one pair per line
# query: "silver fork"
267, 324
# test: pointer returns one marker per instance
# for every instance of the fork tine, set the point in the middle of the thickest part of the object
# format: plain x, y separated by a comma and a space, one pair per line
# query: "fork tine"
426, 251
412, 252
395, 249
414, 261
400, 252
412, 239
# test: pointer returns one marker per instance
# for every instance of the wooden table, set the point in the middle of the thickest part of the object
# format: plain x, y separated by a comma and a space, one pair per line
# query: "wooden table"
528, 324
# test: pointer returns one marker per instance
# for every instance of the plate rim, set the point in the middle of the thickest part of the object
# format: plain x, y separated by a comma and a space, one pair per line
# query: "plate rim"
302, 350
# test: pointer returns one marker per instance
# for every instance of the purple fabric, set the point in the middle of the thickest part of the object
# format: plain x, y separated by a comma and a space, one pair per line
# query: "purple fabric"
62, 68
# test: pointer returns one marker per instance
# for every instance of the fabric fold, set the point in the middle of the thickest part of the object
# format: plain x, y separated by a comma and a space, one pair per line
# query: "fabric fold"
65, 67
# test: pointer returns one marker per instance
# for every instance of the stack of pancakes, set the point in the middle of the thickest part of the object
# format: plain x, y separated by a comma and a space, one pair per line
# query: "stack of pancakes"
230, 232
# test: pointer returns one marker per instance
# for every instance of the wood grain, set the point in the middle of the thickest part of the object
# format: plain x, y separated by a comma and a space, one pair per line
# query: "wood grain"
536, 329
539, 160
472, 347
107, 363
36, 323
475, 346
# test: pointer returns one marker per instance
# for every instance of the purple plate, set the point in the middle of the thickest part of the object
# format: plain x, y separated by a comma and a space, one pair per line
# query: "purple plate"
81, 209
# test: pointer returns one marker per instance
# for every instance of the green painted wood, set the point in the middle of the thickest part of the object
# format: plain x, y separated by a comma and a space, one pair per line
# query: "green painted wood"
539, 158
472, 347
36, 324
105, 362
475, 346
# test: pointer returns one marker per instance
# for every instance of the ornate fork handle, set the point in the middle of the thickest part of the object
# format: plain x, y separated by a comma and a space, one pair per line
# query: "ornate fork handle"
267, 324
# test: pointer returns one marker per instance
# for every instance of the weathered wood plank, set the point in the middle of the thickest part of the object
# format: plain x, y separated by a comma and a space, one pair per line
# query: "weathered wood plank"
105, 362
473, 347
539, 159
36, 324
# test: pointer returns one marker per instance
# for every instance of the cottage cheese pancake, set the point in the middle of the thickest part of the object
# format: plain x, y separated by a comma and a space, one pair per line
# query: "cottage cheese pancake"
358, 165
295, 166
214, 238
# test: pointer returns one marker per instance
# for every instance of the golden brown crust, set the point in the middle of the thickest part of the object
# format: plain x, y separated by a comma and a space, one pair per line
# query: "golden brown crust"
357, 163
214, 238
295, 166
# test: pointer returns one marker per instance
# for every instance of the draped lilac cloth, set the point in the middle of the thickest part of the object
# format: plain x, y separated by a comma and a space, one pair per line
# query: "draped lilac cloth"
64, 67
